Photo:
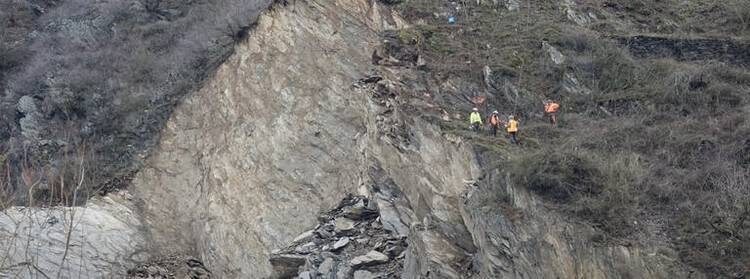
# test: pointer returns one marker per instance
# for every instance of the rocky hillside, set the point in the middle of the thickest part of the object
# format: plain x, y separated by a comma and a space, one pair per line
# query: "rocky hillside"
90, 85
329, 139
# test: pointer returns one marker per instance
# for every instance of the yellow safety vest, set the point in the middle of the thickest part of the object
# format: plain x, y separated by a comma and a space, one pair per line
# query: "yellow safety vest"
475, 118
512, 126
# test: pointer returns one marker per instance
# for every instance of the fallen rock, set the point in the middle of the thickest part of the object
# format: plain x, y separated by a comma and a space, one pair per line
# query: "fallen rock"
326, 231
371, 258
341, 243
327, 251
363, 274
305, 236
390, 219
305, 249
326, 268
286, 265
344, 272
362, 209
363, 240
393, 249
170, 267
344, 224
305, 275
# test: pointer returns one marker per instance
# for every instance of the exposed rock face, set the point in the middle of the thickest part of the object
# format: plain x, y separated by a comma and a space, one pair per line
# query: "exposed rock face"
99, 240
724, 50
278, 135
524, 239
571, 10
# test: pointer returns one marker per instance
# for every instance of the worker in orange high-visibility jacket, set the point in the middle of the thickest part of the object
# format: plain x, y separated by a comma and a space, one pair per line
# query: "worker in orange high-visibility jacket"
512, 127
551, 108
495, 123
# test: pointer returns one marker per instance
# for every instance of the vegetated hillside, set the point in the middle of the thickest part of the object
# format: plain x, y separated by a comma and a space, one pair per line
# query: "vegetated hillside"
86, 86
652, 146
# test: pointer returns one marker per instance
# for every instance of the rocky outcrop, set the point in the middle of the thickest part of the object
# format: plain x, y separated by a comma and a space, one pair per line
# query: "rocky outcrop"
278, 135
518, 236
698, 49
101, 239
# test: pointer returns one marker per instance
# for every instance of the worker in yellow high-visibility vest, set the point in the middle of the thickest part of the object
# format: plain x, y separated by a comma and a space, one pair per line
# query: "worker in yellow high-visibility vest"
475, 120
512, 127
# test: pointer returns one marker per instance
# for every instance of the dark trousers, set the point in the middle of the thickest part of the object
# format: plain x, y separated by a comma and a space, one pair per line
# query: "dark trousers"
493, 130
475, 126
513, 138
553, 118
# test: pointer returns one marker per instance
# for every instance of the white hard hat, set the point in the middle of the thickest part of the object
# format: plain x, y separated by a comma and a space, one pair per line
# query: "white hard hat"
495, 112
476, 109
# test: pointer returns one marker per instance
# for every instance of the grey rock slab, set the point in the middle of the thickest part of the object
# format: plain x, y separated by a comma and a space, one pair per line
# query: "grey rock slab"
363, 274
306, 248
363, 240
395, 250
326, 268
344, 224
305, 275
390, 218
359, 210
103, 240
371, 258
340, 243
286, 265
344, 272
305, 236
554, 54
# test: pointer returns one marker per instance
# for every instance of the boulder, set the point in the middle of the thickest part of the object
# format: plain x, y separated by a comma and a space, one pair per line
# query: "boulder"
362, 209
371, 258
344, 224
286, 265
391, 219
326, 231
341, 243
327, 267
306, 248
393, 250
344, 272
363, 274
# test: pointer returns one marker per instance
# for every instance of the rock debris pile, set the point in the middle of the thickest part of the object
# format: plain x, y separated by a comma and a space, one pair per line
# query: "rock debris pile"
349, 242
176, 267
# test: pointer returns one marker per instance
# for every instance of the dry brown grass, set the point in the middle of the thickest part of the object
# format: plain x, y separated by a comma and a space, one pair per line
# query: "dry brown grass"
656, 139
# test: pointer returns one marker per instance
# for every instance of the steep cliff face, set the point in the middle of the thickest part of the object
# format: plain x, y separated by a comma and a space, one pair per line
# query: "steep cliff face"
275, 137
